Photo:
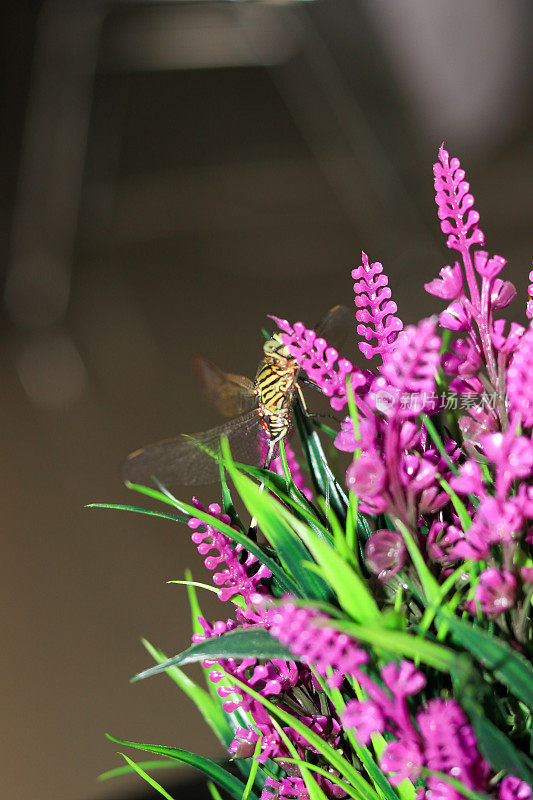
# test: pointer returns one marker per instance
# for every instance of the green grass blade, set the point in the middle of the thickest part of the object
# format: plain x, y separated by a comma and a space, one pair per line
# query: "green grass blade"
429, 582
458, 504
213, 791
127, 770
495, 745
294, 498
208, 707
144, 775
323, 478
253, 642
289, 548
351, 590
362, 752
218, 774
401, 643
504, 663
136, 510
253, 770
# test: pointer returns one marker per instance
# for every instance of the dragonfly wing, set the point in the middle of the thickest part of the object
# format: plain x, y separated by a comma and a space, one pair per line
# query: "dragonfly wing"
336, 326
192, 460
230, 394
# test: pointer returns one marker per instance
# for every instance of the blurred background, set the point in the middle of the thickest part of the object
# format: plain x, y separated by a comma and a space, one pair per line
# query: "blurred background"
171, 173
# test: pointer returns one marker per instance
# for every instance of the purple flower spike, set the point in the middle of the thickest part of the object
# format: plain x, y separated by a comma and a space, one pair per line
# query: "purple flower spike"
375, 308
496, 591
409, 369
454, 203
304, 631
520, 380
234, 578
321, 363
506, 344
345, 440
512, 788
385, 553
450, 747
449, 284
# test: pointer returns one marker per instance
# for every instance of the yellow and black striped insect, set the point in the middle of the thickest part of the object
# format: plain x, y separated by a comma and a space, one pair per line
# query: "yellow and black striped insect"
260, 411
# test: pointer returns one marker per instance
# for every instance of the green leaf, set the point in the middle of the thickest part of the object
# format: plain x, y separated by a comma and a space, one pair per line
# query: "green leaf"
127, 770
350, 588
144, 775
313, 789
253, 642
286, 584
137, 510
218, 774
294, 498
437, 441
289, 548
400, 643
323, 478
253, 769
504, 663
495, 745
429, 583
208, 707
458, 504
213, 791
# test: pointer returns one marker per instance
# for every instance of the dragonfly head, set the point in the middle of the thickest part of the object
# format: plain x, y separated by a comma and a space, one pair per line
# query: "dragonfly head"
275, 348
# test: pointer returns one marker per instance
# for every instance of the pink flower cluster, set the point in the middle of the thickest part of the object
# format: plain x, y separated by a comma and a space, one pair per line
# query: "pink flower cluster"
466, 499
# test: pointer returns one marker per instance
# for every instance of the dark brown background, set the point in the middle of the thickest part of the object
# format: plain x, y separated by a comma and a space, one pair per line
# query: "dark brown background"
172, 173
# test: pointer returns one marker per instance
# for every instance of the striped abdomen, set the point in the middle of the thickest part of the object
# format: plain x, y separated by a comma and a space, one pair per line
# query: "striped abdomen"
274, 387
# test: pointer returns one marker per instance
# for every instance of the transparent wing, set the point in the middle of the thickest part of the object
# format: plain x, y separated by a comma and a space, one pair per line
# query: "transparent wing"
191, 460
336, 326
230, 394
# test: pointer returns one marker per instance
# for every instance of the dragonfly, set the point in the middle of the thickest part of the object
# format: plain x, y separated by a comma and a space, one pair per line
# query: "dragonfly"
259, 412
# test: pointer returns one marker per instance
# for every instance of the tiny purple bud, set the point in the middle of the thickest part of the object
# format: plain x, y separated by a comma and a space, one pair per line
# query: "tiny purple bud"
526, 573
402, 759
496, 591
506, 344
449, 284
512, 788
488, 267
345, 439
385, 553
366, 717
502, 293
403, 679
454, 318
366, 476
469, 480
